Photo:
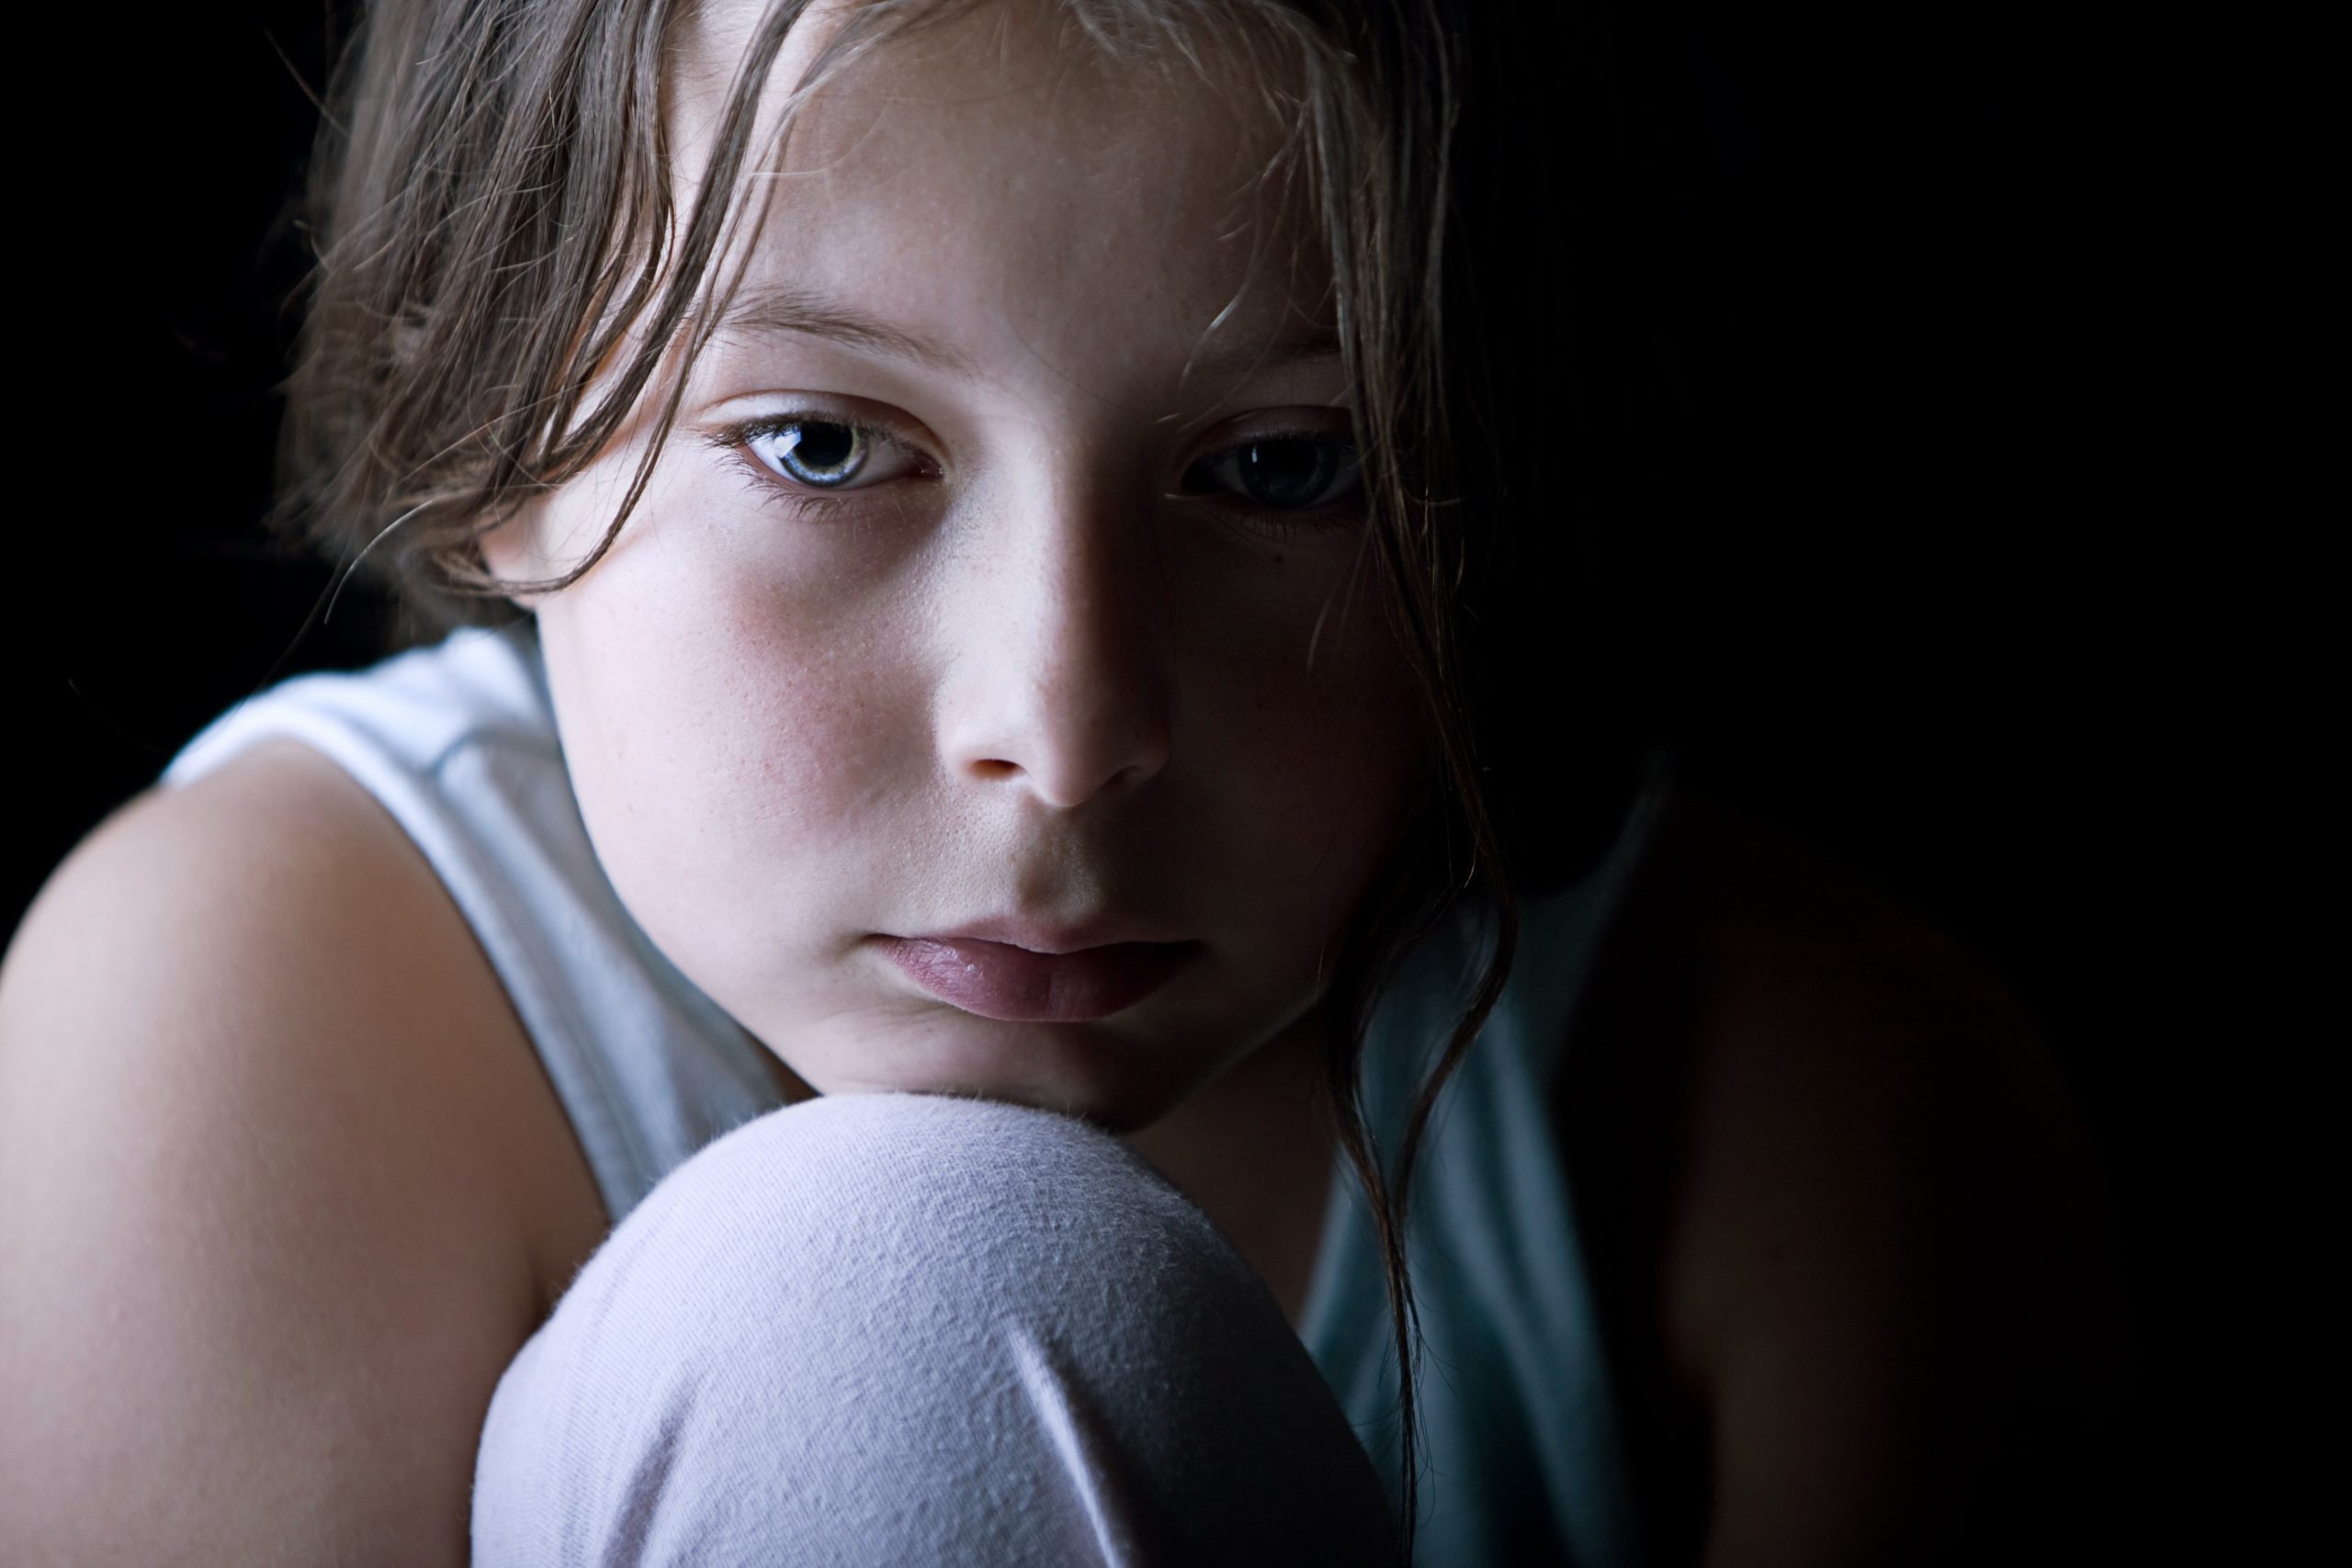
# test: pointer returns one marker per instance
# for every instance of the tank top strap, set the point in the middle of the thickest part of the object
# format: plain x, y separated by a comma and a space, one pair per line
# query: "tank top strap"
1513, 1390
457, 742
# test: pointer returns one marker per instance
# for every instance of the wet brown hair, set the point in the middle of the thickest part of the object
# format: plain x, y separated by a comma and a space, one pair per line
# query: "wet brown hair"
503, 271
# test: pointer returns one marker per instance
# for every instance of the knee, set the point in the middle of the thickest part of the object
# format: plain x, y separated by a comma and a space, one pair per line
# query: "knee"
897, 1320
919, 1208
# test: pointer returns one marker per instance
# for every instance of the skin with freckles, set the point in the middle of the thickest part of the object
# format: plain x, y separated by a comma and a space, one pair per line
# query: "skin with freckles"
1058, 648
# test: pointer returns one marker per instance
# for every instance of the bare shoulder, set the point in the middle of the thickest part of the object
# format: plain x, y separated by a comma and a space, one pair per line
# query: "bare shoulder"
1867, 1240
271, 1184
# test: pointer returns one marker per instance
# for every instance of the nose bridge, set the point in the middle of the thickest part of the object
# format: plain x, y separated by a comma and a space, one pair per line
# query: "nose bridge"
1066, 678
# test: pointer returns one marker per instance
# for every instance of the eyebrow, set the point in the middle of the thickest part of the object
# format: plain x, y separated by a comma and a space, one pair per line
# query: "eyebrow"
1298, 340
782, 308
785, 308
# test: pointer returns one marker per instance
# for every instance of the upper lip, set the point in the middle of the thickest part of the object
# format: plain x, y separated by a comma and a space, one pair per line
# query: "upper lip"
1046, 937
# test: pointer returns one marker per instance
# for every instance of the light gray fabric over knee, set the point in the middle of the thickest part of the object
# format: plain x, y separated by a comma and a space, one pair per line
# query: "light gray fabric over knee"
908, 1329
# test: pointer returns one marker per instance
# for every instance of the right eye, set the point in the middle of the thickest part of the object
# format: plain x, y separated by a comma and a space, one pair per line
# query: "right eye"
824, 453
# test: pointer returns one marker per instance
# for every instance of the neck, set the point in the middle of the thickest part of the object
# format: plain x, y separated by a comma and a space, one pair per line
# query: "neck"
1254, 1148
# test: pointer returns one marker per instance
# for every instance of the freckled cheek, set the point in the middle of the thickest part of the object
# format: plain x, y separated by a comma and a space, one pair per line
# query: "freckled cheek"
735, 752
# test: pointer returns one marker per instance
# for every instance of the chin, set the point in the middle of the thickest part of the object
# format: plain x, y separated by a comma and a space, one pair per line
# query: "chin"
1109, 1083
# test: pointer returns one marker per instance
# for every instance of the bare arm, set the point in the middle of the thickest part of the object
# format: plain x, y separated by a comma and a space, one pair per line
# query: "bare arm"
1861, 1221
259, 1234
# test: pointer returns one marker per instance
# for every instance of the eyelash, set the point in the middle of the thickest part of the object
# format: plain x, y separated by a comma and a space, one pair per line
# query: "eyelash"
805, 498
1282, 523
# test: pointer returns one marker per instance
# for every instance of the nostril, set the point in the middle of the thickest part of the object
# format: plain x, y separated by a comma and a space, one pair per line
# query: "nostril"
995, 768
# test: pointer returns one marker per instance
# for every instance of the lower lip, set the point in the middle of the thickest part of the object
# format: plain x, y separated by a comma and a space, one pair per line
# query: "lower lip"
993, 979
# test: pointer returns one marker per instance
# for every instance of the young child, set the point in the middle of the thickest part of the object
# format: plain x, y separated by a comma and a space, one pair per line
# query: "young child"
967, 734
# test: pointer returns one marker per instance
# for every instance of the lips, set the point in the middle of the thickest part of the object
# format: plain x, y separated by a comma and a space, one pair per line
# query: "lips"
1000, 980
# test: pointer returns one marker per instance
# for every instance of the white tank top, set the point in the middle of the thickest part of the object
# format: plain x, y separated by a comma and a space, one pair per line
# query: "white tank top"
1523, 1462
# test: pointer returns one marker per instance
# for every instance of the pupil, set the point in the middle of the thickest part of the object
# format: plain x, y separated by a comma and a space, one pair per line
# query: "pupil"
1286, 473
824, 451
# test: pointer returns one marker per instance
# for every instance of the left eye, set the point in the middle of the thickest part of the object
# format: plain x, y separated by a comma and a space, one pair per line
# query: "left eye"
826, 454
1284, 473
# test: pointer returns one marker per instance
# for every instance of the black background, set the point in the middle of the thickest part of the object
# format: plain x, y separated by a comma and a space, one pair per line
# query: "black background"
1964, 558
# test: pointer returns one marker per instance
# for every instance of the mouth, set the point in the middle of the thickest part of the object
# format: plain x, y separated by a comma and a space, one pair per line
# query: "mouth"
1018, 985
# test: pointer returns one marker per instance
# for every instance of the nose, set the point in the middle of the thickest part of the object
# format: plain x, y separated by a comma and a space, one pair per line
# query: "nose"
1059, 679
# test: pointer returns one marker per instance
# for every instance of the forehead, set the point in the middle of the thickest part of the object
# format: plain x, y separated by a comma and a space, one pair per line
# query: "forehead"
996, 178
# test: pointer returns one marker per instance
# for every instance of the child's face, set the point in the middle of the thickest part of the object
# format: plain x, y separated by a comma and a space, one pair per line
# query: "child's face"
959, 600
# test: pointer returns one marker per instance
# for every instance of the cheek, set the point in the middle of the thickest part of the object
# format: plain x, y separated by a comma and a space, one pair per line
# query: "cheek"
1320, 764
727, 750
